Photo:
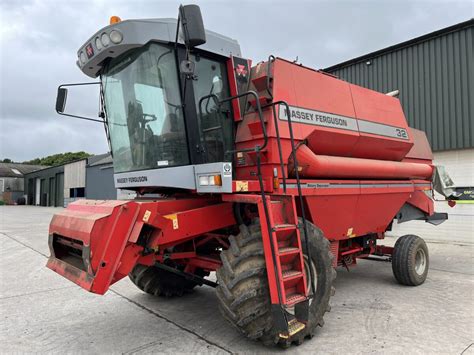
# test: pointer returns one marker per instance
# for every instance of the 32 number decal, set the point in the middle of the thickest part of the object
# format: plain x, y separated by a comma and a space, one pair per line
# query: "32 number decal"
402, 133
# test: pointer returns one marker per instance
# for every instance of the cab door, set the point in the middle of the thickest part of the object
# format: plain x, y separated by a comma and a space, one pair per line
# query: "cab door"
215, 123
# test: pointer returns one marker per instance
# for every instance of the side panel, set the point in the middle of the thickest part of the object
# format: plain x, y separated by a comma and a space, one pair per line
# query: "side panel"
348, 209
382, 124
338, 118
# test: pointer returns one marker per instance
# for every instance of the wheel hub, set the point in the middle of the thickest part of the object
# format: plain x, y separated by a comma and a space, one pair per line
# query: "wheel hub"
420, 262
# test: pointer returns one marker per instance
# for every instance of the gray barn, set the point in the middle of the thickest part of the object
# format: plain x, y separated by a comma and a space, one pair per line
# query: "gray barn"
12, 184
57, 186
434, 74
45, 187
100, 179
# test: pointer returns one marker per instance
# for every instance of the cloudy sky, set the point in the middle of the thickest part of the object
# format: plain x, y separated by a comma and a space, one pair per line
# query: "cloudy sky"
39, 40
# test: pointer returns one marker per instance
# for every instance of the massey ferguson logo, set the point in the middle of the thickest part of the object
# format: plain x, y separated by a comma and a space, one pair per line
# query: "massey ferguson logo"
241, 70
89, 51
132, 179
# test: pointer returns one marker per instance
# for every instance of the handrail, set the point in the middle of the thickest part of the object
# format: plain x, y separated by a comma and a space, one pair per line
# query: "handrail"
260, 115
257, 149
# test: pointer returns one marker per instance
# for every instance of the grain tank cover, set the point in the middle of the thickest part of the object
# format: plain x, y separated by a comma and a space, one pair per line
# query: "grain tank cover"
115, 39
340, 119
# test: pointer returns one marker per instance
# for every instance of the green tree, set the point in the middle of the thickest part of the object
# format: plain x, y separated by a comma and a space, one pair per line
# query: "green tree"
6, 160
58, 159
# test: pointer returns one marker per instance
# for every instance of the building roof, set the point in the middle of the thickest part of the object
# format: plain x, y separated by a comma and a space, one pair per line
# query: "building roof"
18, 170
398, 46
92, 160
100, 159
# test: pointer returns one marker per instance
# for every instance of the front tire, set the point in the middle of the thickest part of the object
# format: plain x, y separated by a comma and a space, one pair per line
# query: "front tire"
243, 294
158, 282
410, 260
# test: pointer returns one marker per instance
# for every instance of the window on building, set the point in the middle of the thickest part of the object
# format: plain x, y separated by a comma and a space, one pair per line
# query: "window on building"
77, 192
16, 171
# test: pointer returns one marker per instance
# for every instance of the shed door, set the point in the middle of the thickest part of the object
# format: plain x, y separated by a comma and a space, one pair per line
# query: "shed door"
38, 192
52, 191
59, 190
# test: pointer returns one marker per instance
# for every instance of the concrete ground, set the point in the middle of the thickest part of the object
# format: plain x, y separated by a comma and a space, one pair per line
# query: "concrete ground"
42, 312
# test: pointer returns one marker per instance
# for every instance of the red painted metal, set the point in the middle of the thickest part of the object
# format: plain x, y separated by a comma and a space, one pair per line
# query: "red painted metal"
102, 229
100, 236
324, 166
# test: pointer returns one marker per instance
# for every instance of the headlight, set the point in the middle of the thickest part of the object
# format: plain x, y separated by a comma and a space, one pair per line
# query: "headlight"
203, 180
98, 43
116, 36
83, 57
105, 39
210, 180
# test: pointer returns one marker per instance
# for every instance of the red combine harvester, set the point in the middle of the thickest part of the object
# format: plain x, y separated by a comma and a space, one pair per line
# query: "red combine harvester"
271, 175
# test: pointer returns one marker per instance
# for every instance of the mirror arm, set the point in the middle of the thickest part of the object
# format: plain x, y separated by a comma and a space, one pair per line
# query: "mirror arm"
75, 116
81, 117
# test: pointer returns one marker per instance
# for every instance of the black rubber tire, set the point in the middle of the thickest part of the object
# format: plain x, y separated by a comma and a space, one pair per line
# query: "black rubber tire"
404, 260
159, 282
243, 294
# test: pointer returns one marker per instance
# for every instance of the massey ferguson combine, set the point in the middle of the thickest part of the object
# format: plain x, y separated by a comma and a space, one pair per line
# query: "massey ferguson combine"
271, 176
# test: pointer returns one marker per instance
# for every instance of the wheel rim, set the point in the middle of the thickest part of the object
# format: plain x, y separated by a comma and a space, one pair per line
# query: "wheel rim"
315, 276
420, 262
291, 310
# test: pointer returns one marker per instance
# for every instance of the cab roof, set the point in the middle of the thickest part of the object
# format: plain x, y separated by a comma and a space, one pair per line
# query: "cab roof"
137, 33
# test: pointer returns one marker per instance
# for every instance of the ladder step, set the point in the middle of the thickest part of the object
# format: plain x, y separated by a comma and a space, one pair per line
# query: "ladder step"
288, 250
294, 326
291, 274
282, 227
294, 298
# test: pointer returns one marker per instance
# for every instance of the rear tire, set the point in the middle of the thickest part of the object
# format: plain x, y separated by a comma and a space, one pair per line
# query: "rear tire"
244, 298
159, 282
410, 260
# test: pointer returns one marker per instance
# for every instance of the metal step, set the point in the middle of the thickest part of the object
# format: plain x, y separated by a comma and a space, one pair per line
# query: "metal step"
288, 251
291, 274
294, 326
282, 227
294, 298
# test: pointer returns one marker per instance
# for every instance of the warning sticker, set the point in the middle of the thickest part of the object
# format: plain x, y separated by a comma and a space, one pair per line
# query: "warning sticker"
146, 216
174, 218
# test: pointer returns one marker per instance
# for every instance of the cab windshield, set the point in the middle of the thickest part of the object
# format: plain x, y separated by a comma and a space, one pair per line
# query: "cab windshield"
144, 110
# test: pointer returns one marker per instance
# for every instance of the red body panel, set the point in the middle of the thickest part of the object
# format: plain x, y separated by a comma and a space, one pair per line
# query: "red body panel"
368, 125
103, 235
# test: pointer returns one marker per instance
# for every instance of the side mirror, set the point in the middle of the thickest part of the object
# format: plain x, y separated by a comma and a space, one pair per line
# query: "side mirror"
192, 25
61, 100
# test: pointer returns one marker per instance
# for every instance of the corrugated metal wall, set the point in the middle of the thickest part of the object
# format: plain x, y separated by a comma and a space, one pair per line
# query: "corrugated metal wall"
436, 82
53, 186
100, 182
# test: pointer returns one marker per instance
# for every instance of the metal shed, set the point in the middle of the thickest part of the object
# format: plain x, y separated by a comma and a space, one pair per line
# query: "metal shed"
12, 185
60, 185
435, 76
45, 187
100, 178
